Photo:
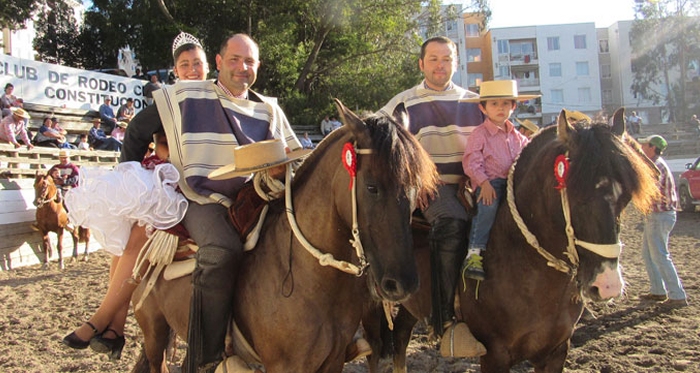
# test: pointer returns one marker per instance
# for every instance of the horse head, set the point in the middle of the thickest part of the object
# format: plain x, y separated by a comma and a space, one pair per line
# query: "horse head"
381, 169
44, 189
596, 175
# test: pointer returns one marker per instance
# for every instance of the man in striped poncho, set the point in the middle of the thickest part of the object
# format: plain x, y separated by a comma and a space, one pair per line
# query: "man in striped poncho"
203, 122
442, 124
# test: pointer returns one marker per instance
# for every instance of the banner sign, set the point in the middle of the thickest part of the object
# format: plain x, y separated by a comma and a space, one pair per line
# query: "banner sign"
55, 85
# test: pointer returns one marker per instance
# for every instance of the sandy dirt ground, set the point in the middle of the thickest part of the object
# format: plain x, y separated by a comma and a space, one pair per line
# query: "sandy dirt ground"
38, 307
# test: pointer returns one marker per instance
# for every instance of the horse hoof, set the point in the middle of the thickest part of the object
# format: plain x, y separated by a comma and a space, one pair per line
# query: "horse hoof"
61, 265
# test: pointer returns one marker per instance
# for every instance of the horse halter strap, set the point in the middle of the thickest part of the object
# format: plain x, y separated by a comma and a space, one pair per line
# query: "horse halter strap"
43, 201
328, 259
604, 250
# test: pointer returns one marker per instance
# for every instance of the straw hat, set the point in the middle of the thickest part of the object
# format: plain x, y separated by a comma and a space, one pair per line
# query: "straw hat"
63, 153
256, 157
528, 124
576, 115
20, 113
122, 124
499, 89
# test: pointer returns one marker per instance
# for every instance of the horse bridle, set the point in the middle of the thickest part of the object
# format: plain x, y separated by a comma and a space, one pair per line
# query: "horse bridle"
41, 201
326, 259
610, 251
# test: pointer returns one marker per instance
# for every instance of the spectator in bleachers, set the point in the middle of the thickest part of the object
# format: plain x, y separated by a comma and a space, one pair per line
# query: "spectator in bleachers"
9, 101
47, 136
119, 131
13, 127
98, 140
107, 115
326, 126
306, 142
83, 143
150, 87
126, 111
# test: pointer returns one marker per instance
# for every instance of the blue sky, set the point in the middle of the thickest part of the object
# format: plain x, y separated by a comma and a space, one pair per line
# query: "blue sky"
509, 13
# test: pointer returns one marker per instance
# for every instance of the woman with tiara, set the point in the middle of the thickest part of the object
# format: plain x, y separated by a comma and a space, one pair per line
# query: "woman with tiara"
123, 207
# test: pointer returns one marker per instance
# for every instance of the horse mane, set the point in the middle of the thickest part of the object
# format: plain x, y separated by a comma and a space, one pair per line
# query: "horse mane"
399, 156
595, 150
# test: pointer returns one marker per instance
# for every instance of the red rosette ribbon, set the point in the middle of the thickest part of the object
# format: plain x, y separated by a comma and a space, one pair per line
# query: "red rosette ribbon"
350, 161
561, 170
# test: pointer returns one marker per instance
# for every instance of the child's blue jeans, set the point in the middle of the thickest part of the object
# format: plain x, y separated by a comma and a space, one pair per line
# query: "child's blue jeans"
485, 216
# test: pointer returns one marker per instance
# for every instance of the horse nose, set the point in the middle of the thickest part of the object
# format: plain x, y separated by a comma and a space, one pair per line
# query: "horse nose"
609, 283
396, 290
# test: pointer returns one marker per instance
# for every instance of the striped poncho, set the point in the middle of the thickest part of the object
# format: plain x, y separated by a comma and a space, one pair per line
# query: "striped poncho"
203, 125
441, 124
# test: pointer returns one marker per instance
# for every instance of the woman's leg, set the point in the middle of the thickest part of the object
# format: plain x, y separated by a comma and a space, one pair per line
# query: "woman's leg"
116, 301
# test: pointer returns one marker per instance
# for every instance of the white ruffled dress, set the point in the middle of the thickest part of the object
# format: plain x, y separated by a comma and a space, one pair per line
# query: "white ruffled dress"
109, 202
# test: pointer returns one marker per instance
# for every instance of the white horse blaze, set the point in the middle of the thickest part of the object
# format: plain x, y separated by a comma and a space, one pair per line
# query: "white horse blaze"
610, 282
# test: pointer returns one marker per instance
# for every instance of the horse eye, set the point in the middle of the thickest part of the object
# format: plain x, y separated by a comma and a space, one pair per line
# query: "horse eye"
372, 189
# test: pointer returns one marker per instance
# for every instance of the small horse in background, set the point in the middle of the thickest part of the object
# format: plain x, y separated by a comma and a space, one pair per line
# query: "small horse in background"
554, 244
296, 306
51, 216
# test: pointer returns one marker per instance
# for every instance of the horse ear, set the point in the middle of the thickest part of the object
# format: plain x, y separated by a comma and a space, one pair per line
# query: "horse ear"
618, 122
401, 115
563, 127
348, 118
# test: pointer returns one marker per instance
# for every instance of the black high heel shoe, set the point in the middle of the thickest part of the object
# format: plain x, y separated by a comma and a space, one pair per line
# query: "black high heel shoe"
73, 341
110, 346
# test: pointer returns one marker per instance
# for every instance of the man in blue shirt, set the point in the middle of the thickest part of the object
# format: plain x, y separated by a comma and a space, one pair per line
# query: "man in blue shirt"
107, 115
99, 141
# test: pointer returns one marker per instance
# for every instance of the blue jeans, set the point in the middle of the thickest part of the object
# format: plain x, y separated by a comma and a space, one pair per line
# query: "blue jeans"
485, 216
657, 259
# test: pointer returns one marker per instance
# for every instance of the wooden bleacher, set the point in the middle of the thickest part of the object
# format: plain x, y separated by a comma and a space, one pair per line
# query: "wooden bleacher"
23, 163
683, 138
74, 121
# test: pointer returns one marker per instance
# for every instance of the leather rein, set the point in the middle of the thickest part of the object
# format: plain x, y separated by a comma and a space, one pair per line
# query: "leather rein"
605, 250
326, 259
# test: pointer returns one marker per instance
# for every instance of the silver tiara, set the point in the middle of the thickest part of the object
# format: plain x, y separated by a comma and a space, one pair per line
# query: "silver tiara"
185, 38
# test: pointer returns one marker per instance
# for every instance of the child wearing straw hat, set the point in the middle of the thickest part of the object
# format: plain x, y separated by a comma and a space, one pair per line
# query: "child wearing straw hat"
491, 150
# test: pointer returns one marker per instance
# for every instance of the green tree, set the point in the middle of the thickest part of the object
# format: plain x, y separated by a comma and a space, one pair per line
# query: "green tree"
56, 39
664, 41
14, 13
361, 51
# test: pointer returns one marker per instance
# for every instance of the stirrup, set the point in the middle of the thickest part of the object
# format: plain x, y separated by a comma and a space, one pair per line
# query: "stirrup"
458, 341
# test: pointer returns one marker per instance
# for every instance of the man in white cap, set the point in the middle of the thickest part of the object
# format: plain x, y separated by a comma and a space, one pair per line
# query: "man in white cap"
13, 127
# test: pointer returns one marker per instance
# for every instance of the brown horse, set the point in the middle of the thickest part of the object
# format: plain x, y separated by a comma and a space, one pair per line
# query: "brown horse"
293, 305
555, 244
51, 216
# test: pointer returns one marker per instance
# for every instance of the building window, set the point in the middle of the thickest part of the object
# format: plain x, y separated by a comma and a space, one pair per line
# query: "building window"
603, 46
555, 69
504, 71
584, 95
582, 68
580, 41
553, 43
503, 47
607, 96
521, 49
475, 79
605, 71
471, 30
473, 54
557, 96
